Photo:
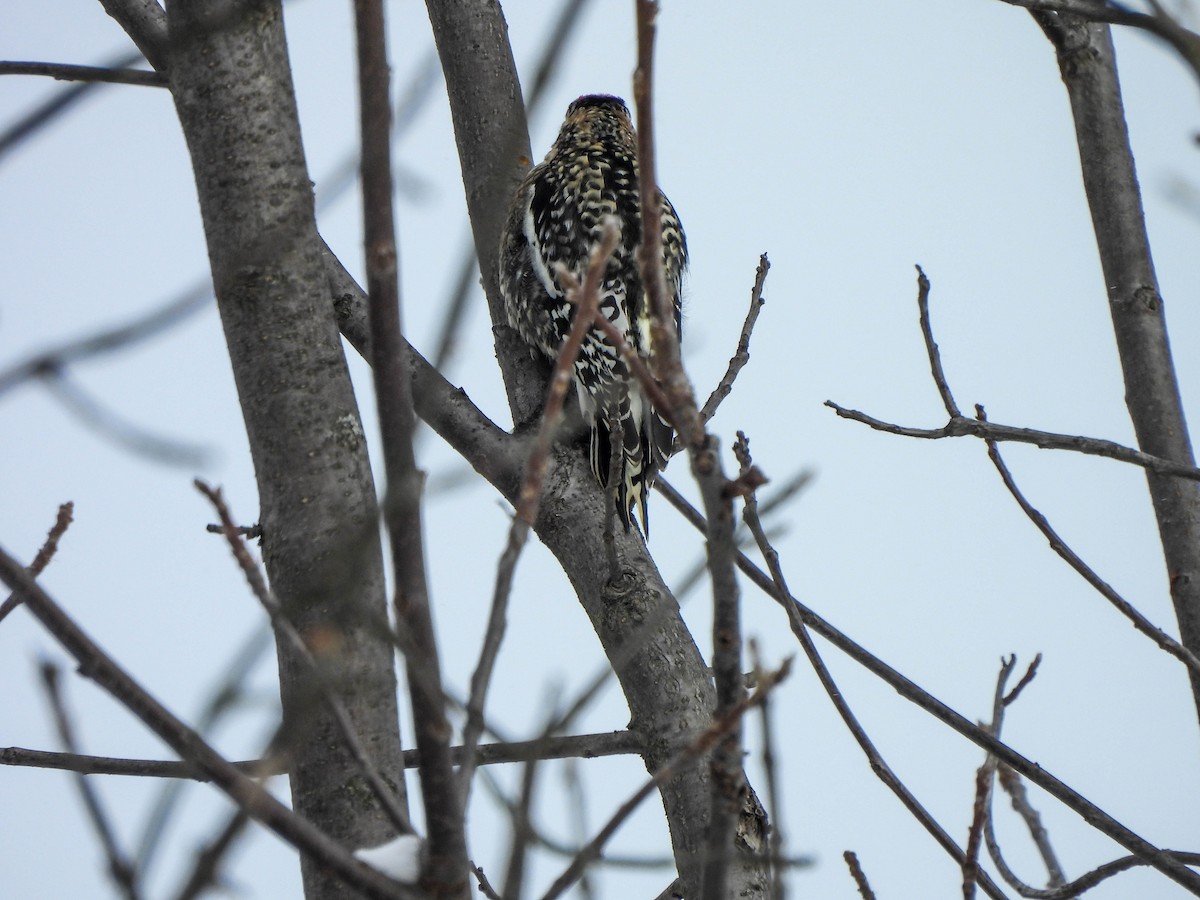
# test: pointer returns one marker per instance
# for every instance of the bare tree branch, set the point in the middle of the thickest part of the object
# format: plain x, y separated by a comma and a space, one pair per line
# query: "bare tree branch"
722, 870
95, 664
588, 298
962, 426
801, 617
146, 24
446, 874
95, 74
859, 876
317, 497
742, 355
66, 513
877, 763
701, 745
1059, 546
581, 746
119, 867
1158, 22
1087, 63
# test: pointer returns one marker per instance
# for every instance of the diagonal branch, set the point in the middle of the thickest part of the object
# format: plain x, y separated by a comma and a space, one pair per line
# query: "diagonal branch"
742, 355
385, 794
1059, 546
446, 872
703, 743
876, 761
801, 617
588, 297
66, 513
119, 866
244, 791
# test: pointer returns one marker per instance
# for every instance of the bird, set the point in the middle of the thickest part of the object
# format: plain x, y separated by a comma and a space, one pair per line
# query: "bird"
557, 218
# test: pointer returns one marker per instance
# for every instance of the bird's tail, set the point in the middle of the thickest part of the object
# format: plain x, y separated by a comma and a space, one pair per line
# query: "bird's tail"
645, 441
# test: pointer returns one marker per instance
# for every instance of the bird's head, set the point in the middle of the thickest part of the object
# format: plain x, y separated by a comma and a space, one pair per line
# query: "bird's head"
596, 117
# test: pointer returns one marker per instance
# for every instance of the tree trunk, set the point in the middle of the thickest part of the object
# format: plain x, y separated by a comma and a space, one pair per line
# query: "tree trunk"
232, 85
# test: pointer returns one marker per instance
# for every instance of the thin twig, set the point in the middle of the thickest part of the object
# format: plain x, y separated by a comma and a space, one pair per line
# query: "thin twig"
728, 781
446, 872
702, 744
283, 627
64, 72
575, 746
742, 355
1000, 703
49, 547
588, 298
962, 426
45, 114
485, 886
100, 667
775, 804
979, 815
801, 617
1059, 546
959, 425
1011, 782
119, 867
931, 347
205, 868
859, 876
877, 763
107, 340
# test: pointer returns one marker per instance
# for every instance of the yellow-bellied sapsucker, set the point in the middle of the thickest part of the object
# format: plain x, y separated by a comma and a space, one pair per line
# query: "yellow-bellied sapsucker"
557, 217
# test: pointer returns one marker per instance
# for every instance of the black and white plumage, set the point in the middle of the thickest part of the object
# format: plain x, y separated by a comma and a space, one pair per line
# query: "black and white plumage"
557, 217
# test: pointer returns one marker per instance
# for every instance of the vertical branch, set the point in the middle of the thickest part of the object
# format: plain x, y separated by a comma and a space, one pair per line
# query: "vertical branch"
231, 82
1088, 65
447, 873
493, 146
728, 781
668, 365
587, 296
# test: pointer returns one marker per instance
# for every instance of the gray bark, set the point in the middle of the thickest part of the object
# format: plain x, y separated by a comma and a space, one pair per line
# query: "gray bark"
231, 81
1088, 65
661, 671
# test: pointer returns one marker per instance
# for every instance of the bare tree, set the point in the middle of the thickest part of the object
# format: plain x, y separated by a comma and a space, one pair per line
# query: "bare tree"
284, 298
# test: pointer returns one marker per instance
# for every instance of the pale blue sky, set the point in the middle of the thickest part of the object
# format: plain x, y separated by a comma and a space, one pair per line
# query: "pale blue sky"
849, 142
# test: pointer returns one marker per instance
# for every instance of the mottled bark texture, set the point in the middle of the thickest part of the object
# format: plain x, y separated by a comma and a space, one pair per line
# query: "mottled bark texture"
232, 85
1089, 70
661, 671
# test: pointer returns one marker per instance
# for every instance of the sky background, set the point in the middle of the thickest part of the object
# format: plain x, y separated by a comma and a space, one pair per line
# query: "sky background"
849, 142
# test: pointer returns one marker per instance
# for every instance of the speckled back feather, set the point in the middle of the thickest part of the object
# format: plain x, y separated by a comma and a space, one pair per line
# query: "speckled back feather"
557, 217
